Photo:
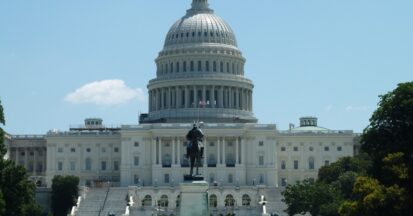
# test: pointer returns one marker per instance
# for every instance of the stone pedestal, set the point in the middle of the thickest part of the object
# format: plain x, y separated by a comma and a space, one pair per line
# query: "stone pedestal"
194, 199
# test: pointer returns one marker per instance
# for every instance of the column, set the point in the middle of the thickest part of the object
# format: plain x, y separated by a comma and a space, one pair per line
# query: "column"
25, 158
173, 151
179, 150
236, 151
178, 98
17, 156
160, 152
243, 148
186, 97
237, 98
250, 94
168, 98
219, 151
34, 161
221, 97
153, 147
195, 98
212, 97
204, 94
163, 98
223, 151
44, 161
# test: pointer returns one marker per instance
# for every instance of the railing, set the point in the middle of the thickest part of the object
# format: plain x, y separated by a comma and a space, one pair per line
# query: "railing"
205, 126
316, 132
81, 133
28, 136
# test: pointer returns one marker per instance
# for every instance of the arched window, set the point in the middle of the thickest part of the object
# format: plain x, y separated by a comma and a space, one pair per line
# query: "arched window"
311, 163
88, 164
177, 67
163, 202
147, 201
229, 200
213, 201
246, 200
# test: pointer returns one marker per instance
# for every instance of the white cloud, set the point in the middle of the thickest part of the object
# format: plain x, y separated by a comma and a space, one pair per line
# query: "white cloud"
356, 108
105, 92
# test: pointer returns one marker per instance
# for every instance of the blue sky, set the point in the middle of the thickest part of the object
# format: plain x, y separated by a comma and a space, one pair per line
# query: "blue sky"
324, 58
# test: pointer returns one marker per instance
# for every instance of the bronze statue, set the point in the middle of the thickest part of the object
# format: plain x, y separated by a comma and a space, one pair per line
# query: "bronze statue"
194, 148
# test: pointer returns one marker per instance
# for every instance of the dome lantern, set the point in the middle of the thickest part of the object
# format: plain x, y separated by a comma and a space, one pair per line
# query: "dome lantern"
199, 6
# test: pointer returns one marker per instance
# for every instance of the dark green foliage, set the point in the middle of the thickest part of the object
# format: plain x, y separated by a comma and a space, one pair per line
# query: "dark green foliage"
16, 190
391, 131
64, 194
313, 197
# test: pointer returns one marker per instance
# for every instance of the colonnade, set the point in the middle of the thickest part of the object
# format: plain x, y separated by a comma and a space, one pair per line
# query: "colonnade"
36, 158
220, 150
204, 96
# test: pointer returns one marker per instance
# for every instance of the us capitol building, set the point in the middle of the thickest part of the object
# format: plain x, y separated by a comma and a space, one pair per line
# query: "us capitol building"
200, 77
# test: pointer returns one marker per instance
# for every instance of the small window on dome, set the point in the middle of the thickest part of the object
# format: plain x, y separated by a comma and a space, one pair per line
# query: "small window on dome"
199, 34
187, 34
221, 65
182, 35
176, 36
199, 65
212, 34
206, 34
192, 66
193, 34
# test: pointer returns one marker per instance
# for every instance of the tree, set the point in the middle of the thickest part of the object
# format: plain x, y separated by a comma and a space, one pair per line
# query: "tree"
317, 198
64, 194
16, 190
391, 131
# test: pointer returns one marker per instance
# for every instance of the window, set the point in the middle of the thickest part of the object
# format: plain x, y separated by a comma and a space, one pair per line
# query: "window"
60, 150
339, 148
72, 165
283, 148
221, 67
283, 182
311, 163
246, 200
60, 166
295, 148
261, 160
166, 178
72, 150
103, 149
147, 201
296, 164
136, 144
215, 66
211, 178
136, 179
261, 179
283, 165
171, 68
136, 161
177, 67
227, 67
184, 66
311, 148
261, 143
230, 178
88, 150
212, 144
229, 200
326, 162
207, 65
116, 165
192, 66
163, 202
88, 164
326, 148
213, 201
199, 66
116, 149
103, 165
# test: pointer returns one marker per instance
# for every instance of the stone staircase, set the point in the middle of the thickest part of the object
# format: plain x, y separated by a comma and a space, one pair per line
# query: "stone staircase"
92, 204
274, 203
115, 202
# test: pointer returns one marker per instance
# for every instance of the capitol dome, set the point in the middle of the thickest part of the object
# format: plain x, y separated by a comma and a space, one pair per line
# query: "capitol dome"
200, 73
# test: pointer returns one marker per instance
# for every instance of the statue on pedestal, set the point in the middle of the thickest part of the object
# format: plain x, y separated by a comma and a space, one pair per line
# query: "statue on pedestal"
194, 150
